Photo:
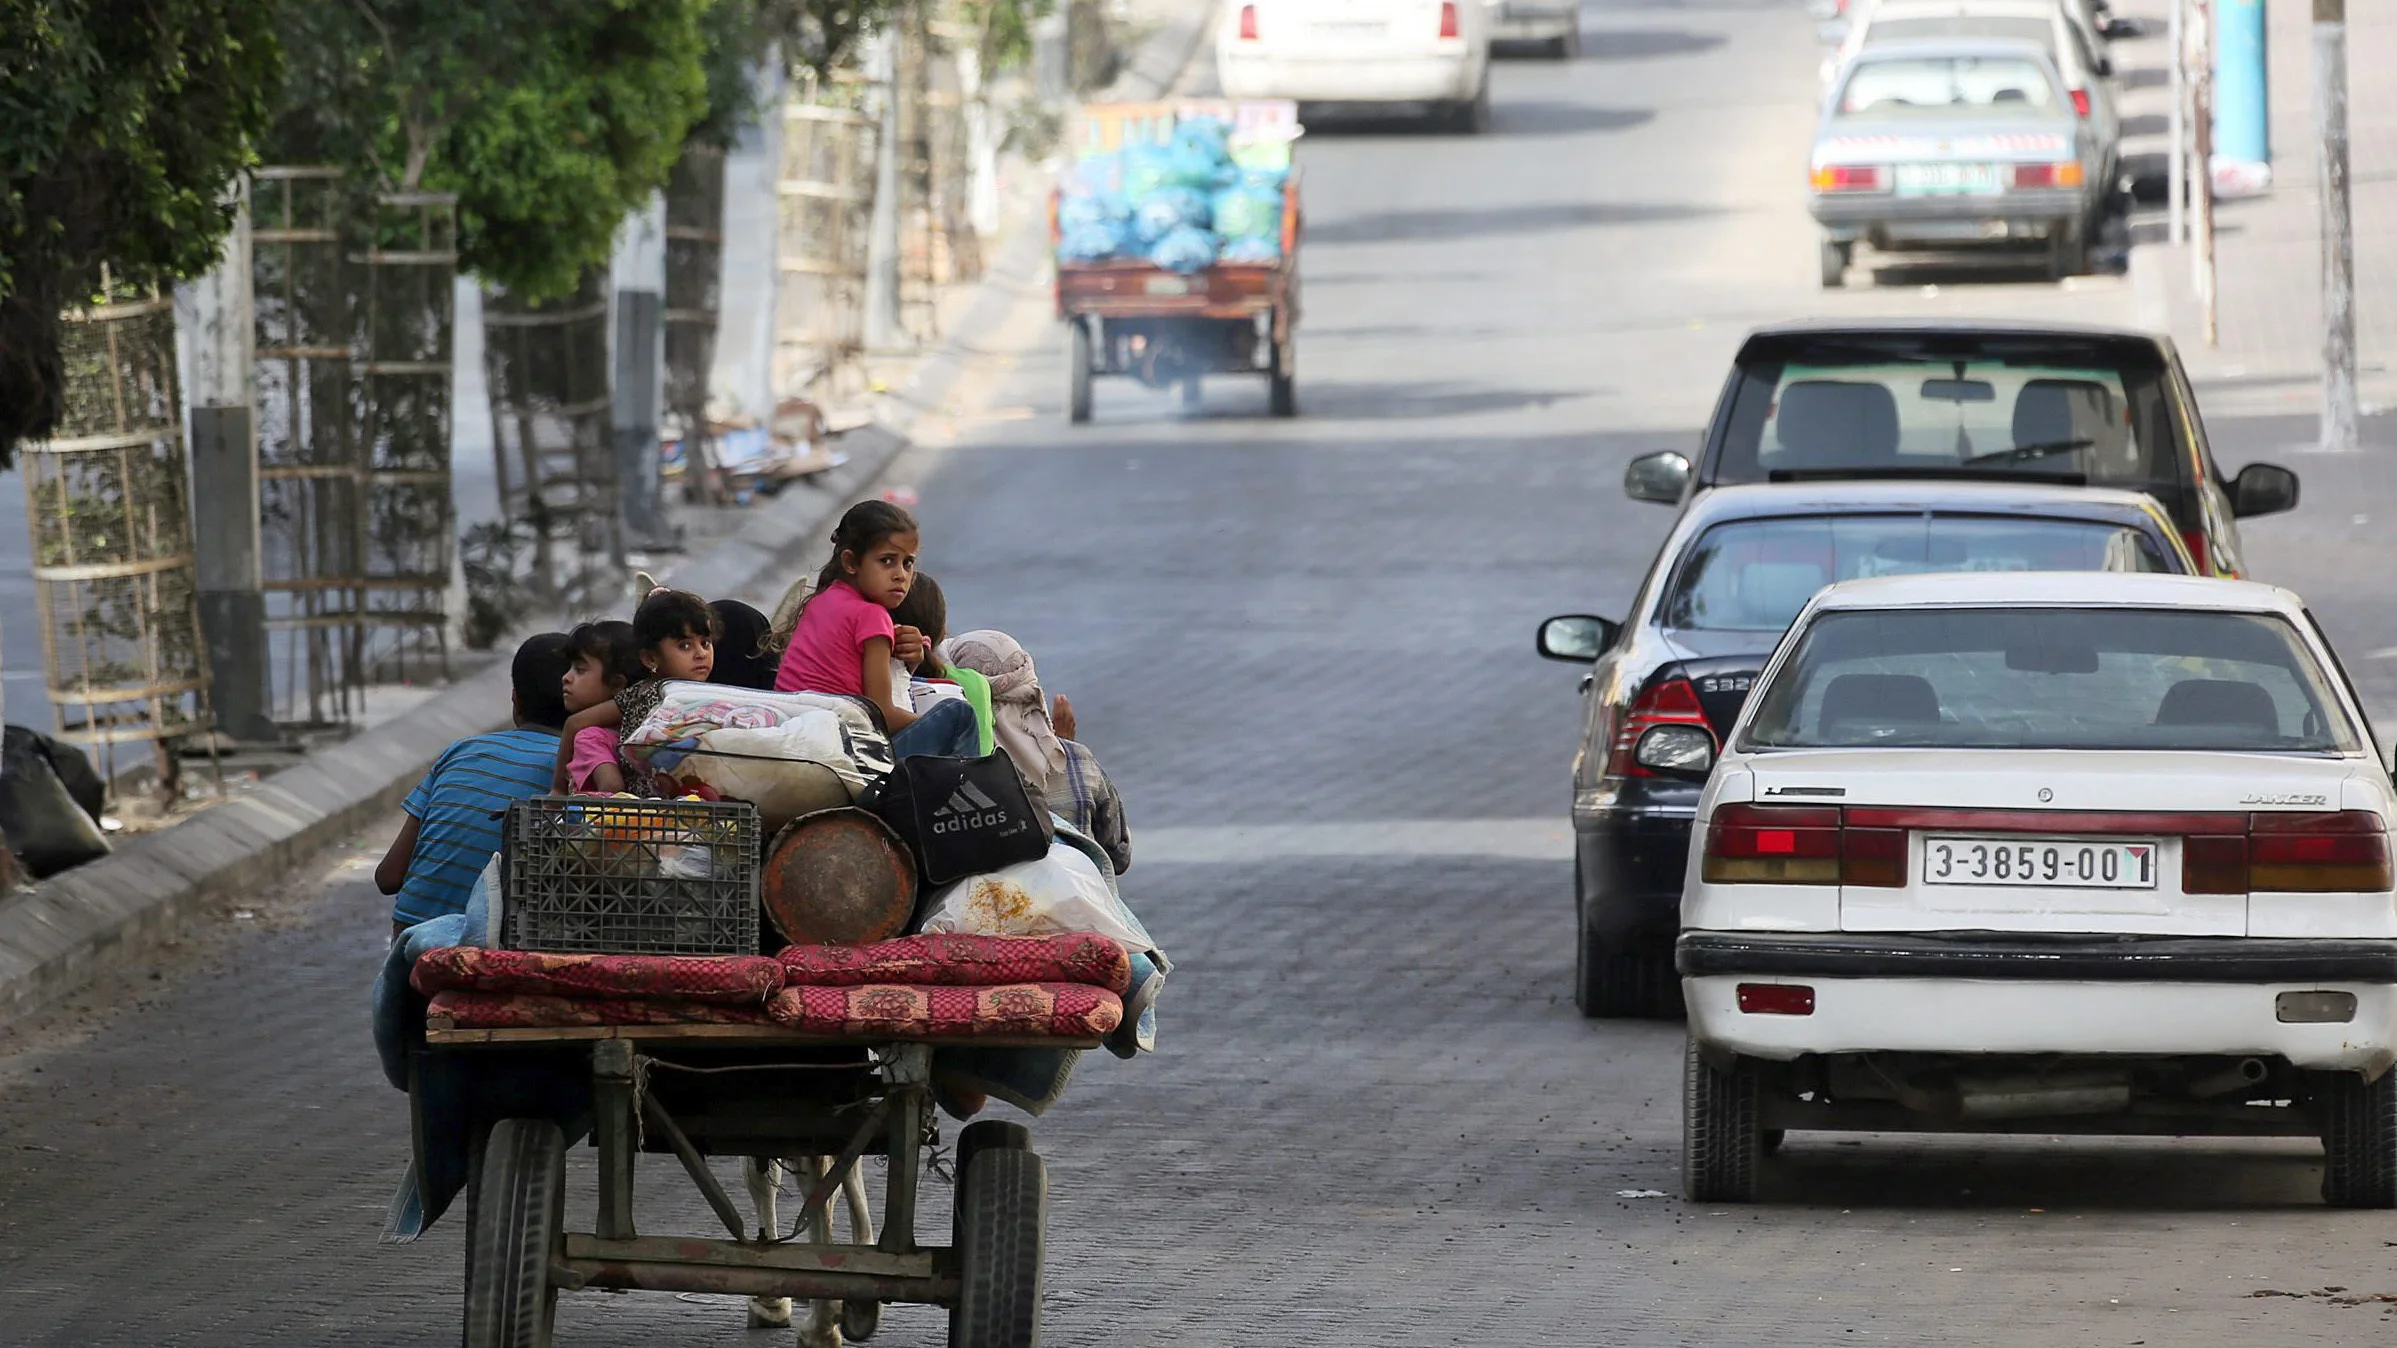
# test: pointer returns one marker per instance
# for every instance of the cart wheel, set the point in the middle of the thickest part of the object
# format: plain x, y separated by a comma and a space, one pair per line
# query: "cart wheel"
986, 1135
2359, 1139
1281, 384
1722, 1136
1077, 371
1003, 1198
517, 1223
859, 1320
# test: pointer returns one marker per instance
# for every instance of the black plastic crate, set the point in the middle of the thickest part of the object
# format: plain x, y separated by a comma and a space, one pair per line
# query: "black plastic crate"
614, 876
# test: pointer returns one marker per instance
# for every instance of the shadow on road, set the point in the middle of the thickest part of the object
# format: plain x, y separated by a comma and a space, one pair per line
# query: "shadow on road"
2065, 1174
2146, 124
1646, 44
1444, 225
1563, 119
1366, 402
2145, 77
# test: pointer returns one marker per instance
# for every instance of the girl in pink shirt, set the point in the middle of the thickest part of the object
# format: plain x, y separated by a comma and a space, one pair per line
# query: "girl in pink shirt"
844, 639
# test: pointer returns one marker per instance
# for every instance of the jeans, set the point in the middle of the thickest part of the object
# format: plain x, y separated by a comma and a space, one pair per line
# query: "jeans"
947, 731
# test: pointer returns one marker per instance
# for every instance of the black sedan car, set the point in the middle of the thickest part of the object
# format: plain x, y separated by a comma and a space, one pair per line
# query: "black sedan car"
1669, 680
1972, 399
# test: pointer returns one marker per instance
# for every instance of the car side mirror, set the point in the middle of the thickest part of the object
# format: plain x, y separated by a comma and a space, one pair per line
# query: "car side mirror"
1660, 477
1578, 637
2105, 67
2116, 29
2263, 489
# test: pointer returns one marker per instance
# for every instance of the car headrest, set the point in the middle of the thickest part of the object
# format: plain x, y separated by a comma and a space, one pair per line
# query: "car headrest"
1880, 699
2219, 702
1836, 423
2049, 410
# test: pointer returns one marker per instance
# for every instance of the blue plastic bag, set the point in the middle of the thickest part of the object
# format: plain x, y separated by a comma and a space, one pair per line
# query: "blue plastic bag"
1186, 250
1169, 209
1255, 250
1094, 241
1105, 209
1247, 212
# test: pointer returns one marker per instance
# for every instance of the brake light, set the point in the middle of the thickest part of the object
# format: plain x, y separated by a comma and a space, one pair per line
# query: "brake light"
1848, 178
2342, 853
2195, 540
2047, 175
1772, 845
1248, 23
2080, 102
1448, 18
1671, 702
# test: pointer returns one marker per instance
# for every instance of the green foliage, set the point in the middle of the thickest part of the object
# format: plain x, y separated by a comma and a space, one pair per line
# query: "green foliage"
121, 123
550, 119
1006, 29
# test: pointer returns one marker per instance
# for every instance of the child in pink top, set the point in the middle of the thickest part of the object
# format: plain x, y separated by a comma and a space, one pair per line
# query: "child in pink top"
843, 640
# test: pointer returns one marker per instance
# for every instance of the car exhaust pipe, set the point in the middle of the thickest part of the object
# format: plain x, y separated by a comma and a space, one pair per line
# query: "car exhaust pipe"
2243, 1075
2024, 1098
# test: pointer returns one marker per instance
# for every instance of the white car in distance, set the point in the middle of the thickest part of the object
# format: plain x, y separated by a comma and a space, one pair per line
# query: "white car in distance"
1433, 54
2045, 853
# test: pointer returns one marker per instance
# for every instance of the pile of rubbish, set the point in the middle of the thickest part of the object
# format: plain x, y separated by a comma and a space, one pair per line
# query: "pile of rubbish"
1200, 196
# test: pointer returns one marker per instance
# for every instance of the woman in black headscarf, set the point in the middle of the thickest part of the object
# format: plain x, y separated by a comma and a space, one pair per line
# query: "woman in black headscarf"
741, 659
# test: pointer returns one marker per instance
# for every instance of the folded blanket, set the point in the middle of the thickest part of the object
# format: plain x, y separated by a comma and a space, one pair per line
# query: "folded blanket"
740, 980
524, 1010
962, 961
1061, 1010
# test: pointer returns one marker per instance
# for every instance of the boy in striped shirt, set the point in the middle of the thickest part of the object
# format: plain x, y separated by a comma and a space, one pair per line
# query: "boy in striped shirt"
455, 814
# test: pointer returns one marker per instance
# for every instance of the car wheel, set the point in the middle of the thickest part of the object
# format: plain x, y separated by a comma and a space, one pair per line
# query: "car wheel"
2067, 252
1077, 370
1472, 117
1835, 259
2359, 1139
1722, 1133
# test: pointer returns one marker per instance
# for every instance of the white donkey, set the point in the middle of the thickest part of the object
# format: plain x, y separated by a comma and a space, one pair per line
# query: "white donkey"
823, 1327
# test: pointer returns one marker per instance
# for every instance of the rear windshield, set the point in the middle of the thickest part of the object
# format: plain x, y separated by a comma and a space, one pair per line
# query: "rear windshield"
2094, 412
1754, 575
1947, 87
2051, 678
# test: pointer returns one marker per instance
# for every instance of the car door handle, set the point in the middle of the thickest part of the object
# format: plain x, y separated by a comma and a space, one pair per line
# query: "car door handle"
1586, 681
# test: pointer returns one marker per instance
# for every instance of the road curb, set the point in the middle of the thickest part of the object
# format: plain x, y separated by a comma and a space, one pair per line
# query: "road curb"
56, 937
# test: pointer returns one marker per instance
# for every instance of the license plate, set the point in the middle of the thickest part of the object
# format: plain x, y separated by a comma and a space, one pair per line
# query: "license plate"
1167, 285
2041, 863
1948, 180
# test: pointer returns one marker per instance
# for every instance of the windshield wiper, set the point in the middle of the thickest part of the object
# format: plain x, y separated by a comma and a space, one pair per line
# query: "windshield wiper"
2025, 453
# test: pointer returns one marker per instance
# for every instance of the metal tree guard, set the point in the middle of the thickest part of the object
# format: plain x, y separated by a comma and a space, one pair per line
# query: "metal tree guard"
112, 557
547, 366
405, 328
694, 275
309, 483
826, 191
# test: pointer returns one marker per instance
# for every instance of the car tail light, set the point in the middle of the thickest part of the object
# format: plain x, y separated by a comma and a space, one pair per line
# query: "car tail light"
1248, 23
2214, 864
2342, 853
1848, 178
1672, 702
1448, 18
2195, 541
1801, 845
2047, 175
1772, 845
1776, 999
2080, 102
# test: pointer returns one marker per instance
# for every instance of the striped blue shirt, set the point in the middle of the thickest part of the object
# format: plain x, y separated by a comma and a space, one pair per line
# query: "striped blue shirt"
459, 807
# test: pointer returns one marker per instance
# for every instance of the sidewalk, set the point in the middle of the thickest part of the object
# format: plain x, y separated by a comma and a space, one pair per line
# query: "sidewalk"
2268, 251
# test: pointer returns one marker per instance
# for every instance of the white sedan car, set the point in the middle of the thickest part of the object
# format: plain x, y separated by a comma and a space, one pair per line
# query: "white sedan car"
1431, 53
2045, 853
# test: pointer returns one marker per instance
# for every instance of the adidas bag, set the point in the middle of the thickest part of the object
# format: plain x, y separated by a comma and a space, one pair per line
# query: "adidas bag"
962, 816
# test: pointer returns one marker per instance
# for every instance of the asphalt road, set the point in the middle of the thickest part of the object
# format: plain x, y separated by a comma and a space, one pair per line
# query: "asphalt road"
1303, 649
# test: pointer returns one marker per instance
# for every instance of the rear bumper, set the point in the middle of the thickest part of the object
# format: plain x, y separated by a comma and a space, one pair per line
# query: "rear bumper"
1531, 21
1998, 219
2159, 997
1632, 865
1408, 79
